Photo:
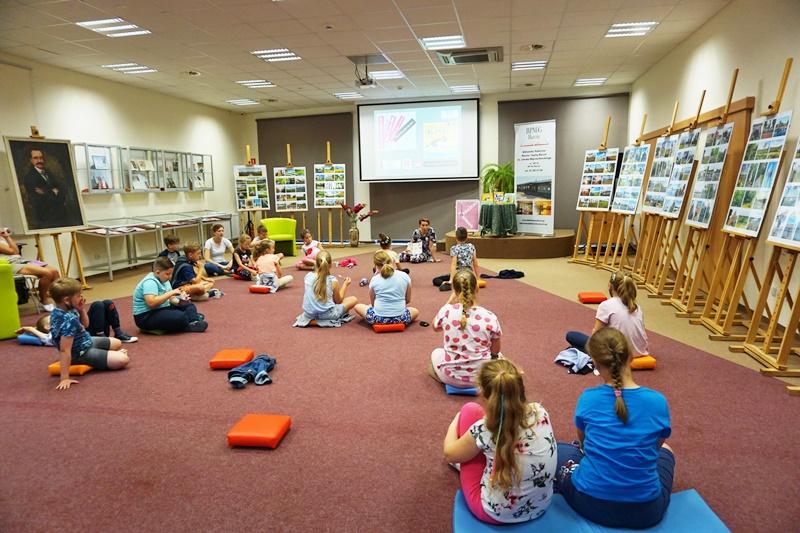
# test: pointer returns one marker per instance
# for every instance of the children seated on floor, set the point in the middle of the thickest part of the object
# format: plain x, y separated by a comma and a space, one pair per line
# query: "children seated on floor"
159, 307
385, 243
268, 266
323, 300
172, 243
68, 323
390, 293
103, 318
215, 248
242, 265
189, 276
464, 257
310, 249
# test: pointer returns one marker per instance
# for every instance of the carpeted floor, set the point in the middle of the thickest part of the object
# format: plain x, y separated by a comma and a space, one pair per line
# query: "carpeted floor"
144, 449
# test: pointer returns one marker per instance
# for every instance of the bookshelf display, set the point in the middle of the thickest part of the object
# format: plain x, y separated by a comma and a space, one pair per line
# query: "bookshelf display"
198, 171
99, 168
173, 177
143, 175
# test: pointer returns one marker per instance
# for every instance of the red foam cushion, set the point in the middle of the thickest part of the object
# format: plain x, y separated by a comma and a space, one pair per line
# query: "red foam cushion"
592, 297
263, 289
643, 362
74, 370
237, 276
383, 328
231, 358
265, 431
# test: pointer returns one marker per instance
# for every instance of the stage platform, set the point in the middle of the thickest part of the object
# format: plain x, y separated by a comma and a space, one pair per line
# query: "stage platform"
518, 246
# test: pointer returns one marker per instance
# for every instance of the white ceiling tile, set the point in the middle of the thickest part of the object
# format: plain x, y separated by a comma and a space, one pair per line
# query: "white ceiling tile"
649, 3
430, 15
493, 24
437, 30
259, 11
338, 23
537, 36
379, 19
281, 27
354, 7
583, 5
398, 46
701, 12
27, 17
30, 37
575, 44
490, 39
588, 18
300, 9
571, 54
582, 32
544, 20
641, 14
533, 7
381, 35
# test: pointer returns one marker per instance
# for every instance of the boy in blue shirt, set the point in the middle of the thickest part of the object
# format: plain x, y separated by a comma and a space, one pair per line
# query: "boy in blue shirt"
173, 243
157, 306
68, 323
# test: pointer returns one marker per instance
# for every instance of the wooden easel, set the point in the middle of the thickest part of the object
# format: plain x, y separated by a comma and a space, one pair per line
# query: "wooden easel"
289, 165
328, 162
773, 347
595, 225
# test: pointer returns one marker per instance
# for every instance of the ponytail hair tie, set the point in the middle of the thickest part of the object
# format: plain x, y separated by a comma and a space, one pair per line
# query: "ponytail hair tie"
617, 393
501, 372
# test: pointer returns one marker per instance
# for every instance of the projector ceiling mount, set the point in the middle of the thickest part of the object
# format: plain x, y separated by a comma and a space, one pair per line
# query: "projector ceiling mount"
365, 82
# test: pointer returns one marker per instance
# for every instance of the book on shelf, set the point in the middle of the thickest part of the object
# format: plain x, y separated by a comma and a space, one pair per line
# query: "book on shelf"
198, 182
139, 182
100, 162
146, 165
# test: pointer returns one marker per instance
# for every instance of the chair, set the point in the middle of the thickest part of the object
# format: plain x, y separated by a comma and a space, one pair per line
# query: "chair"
32, 288
9, 313
284, 232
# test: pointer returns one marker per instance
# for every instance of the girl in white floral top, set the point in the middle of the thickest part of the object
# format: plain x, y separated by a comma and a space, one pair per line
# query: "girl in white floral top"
507, 454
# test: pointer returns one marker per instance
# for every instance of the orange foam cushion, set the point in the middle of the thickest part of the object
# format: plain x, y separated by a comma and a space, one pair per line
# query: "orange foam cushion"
264, 431
643, 362
231, 358
263, 289
592, 297
74, 370
238, 276
383, 328
481, 283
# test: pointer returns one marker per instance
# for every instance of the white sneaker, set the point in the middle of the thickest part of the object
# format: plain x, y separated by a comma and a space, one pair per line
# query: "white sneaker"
457, 466
49, 307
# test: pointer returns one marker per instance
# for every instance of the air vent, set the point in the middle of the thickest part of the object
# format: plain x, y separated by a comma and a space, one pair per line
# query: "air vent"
464, 56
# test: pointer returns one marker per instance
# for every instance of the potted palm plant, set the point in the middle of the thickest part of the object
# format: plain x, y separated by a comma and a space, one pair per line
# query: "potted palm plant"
497, 180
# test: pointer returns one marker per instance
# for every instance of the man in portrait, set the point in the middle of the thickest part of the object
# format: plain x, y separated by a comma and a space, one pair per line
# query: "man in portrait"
50, 199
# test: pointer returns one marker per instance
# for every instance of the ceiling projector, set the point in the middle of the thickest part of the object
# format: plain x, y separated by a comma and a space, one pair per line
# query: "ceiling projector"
365, 83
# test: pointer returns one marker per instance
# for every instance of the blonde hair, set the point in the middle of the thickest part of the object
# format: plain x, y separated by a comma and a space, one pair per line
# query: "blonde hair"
506, 416
610, 349
624, 285
320, 285
244, 237
64, 287
262, 248
382, 260
465, 284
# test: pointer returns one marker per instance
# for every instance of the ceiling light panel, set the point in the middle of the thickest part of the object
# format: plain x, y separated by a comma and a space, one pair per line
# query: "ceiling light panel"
348, 96
276, 54
386, 74
529, 65
465, 89
443, 43
256, 84
631, 29
585, 82
113, 27
243, 101
130, 68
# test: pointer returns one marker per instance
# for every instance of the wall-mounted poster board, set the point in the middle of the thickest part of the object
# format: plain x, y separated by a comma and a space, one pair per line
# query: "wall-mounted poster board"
786, 225
330, 182
290, 189
660, 171
681, 173
631, 177
709, 172
597, 179
467, 214
252, 187
762, 155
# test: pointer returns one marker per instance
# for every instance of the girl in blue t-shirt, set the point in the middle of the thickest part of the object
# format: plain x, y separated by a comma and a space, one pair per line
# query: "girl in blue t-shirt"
619, 472
390, 292
324, 301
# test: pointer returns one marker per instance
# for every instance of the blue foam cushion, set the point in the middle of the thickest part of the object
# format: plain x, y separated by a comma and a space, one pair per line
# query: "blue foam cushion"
29, 338
472, 391
687, 512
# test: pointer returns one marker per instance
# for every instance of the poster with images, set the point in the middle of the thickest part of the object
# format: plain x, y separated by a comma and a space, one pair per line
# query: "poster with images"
785, 229
709, 173
681, 173
660, 171
631, 177
252, 187
762, 155
290, 189
329, 185
597, 179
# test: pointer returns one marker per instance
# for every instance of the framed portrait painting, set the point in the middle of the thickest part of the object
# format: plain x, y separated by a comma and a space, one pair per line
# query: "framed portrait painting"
44, 178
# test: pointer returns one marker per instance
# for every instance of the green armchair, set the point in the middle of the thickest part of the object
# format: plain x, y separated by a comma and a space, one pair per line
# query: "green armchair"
284, 232
9, 313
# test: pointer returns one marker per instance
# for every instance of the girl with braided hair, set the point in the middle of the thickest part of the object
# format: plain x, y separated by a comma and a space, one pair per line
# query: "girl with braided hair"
507, 453
619, 472
390, 293
619, 312
471, 334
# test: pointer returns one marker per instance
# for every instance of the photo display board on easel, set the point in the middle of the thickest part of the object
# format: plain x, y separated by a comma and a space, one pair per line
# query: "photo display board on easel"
597, 180
681, 173
709, 173
786, 225
660, 170
290, 189
329, 185
757, 174
252, 187
631, 177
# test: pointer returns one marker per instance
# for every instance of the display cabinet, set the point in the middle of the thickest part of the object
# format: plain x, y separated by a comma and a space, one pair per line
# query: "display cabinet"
99, 168
128, 228
199, 171
174, 178
143, 174
206, 218
170, 222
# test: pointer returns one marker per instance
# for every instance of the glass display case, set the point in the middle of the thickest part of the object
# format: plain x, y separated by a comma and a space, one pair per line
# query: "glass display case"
143, 174
207, 218
99, 168
199, 172
128, 228
169, 222
173, 174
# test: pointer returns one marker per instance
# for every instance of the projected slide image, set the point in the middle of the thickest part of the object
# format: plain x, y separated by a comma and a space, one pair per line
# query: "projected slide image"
396, 130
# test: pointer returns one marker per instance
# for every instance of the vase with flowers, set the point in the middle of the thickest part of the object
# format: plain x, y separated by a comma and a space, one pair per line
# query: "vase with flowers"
355, 214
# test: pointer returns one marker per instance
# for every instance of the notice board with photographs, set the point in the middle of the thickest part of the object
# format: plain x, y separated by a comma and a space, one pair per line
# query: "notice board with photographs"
330, 185
660, 171
785, 229
681, 173
709, 173
252, 187
290, 189
597, 179
631, 177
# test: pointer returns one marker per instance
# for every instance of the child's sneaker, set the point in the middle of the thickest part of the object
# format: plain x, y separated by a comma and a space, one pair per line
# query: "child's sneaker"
198, 326
124, 337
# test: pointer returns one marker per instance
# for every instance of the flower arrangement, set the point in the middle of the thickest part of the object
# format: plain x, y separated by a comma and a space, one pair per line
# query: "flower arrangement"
353, 212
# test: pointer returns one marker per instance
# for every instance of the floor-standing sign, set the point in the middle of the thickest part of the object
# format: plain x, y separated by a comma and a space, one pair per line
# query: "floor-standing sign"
535, 171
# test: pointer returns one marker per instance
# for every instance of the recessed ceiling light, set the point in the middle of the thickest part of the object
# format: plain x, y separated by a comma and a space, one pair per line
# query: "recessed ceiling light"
465, 89
530, 47
256, 84
130, 68
112, 27
242, 101
348, 96
584, 82
276, 54
631, 29
529, 65
442, 43
386, 74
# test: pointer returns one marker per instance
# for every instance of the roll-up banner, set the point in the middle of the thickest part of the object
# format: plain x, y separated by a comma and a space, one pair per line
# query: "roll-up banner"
534, 176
